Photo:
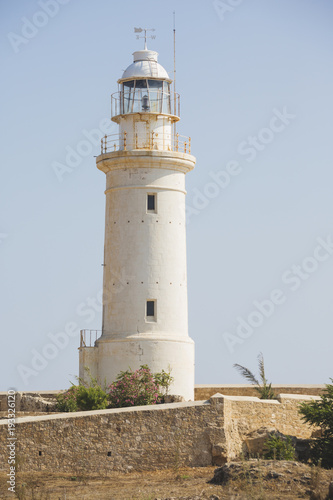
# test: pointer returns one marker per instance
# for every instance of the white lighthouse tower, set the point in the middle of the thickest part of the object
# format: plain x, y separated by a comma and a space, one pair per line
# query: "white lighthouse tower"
145, 317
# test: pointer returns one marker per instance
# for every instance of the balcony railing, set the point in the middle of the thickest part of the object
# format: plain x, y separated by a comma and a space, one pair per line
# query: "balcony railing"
157, 142
123, 103
89, 337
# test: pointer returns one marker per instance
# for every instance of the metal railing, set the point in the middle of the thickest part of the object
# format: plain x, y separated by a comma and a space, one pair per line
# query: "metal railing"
158, 103
89, 337
153, 141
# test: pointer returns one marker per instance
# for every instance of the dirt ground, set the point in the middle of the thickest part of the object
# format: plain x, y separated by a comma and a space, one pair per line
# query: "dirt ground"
258, 481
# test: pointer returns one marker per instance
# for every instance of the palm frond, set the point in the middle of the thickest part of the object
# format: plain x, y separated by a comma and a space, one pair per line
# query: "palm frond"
262, 368
246, 373
271, 393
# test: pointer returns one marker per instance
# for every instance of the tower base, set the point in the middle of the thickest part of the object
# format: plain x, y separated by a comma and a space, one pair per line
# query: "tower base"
106, 360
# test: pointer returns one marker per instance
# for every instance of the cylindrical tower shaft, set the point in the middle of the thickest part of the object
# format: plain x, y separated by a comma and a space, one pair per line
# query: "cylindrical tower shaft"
145, 318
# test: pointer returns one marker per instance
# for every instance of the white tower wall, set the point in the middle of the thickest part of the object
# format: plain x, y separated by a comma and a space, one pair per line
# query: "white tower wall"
145, 250
149, 248
146, 131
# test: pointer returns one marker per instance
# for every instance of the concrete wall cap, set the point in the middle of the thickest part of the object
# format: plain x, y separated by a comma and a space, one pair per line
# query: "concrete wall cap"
296, 386
96, 413
216, 399
298, 397
30, 393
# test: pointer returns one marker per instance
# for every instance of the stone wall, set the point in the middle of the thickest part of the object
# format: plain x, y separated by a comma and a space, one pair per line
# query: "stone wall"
150, 437
28, 401
244, 415
202, 392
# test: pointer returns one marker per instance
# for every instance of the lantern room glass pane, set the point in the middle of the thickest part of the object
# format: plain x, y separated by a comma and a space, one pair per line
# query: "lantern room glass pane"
128, 96
150, 96
141, 97
166, 106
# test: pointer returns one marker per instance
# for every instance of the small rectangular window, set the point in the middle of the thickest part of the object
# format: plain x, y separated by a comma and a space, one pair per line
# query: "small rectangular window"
151, 202
150, 308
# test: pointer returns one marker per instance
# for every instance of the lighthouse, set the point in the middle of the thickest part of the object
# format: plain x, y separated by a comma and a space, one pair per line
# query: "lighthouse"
145, 310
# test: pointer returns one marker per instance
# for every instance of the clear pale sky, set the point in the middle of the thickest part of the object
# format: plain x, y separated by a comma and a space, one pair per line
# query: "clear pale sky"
255, 79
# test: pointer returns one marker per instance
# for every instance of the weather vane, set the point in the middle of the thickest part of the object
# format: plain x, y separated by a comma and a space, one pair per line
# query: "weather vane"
140, 30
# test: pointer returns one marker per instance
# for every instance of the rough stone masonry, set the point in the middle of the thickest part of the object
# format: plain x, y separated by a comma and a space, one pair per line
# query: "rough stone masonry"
195, 434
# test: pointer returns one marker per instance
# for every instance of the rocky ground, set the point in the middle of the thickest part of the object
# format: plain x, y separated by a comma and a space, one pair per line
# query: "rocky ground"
253, 479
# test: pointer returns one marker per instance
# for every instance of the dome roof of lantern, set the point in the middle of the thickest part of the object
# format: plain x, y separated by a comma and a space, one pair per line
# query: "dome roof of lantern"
145, 65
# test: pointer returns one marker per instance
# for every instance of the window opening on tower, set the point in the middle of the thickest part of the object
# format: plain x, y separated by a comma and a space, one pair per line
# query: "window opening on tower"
150, 308
151, 203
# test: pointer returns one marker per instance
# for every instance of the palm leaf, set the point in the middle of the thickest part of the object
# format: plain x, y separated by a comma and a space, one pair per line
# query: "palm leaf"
262, 368
246, 373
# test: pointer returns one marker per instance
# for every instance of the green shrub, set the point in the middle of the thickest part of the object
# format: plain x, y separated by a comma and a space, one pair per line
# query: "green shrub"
163, 380
83, 397
320, 414
137, 388
66, 401
278, 448
91, 398
141, 387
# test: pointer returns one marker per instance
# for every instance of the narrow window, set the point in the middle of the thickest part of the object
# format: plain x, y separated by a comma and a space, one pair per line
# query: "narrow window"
151, 202
150, 308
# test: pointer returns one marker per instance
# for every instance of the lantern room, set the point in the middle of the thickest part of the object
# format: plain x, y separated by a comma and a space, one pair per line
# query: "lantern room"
145, 96
145, 88
145, 108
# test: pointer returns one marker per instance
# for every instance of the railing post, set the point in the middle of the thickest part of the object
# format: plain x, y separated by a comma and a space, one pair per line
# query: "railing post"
177, 141
102, 145
152, 140
105, 142
83, 338
189, 144
185, 145
125, 133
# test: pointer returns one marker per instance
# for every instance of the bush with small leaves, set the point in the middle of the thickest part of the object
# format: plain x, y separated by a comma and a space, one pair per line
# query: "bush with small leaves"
83, 397
66, 401
141, 387
320, 414
91, 398
279, 448
137, 388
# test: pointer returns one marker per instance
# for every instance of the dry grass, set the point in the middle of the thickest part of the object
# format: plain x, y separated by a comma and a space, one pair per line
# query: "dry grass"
319, 490
184, 483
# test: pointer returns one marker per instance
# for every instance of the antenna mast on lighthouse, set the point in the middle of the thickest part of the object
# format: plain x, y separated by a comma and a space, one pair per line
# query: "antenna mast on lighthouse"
174, 71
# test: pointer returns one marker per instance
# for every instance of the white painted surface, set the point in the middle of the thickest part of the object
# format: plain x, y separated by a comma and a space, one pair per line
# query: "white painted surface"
145, 65
144, 258
138, 125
